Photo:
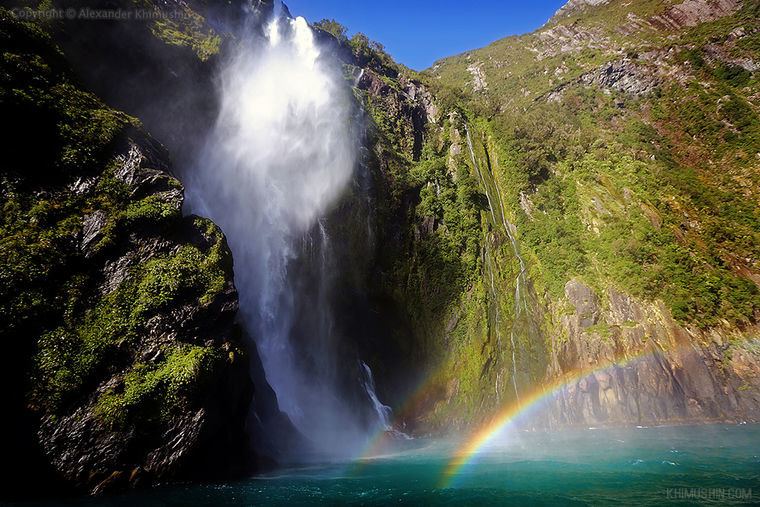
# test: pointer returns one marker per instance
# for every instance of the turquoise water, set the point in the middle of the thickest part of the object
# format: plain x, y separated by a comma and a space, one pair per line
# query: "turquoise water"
718, 465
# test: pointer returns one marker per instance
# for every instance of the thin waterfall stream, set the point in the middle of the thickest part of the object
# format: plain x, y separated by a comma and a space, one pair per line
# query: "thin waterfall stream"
520, 286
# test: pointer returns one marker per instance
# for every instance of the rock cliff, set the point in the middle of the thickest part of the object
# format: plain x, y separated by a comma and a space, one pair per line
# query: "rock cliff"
595, 142
126, 365
679, 374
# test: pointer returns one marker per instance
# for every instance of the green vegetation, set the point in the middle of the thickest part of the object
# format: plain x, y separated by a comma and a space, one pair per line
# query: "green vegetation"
603, 330
649, 194
153, 211
606, 216
449, 252
150, 393
372, 54
188, 31
74, 130
40, 272
78, 332
444, 232
82, 349
333, 28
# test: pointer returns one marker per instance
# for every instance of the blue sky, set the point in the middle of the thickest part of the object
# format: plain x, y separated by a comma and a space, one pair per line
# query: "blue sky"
418, 32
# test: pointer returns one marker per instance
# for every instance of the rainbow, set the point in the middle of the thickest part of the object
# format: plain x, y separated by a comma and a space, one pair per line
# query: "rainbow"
376, 443
475, 444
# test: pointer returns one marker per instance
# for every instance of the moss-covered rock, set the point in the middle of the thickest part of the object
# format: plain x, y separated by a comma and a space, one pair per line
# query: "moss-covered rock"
125, 359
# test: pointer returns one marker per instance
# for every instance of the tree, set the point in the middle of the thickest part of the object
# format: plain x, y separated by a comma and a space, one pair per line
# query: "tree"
333, 28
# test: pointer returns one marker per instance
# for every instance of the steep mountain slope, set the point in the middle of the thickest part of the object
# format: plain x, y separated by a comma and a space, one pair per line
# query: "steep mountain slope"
619, 146
577, 199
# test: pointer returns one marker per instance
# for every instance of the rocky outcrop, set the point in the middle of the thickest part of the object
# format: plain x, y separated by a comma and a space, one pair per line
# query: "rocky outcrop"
573, 7
191, 344
722, 54
478, 77
418, 94
686, 14
410, 108
567, 39
629, 362
624, 75
694, 12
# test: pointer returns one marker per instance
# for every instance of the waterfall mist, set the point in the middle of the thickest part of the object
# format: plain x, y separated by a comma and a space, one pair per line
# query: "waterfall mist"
282, 151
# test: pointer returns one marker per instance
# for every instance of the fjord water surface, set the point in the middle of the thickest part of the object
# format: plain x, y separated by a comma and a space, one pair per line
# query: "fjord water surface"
717, 465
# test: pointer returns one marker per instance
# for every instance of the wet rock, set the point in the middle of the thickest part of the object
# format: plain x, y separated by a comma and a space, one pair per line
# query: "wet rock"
100, 455
92, 225
585, 301
646, 369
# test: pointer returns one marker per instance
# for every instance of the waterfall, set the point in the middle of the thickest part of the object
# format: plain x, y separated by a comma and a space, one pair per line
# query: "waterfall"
383, 411
281, 152
520, 286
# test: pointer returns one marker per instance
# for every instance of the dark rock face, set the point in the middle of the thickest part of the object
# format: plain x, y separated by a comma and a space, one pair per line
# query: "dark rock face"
99, 455
128, 367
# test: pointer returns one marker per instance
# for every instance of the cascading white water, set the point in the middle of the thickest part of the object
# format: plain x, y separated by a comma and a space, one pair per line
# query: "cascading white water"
383, 411
520, 286
281, 152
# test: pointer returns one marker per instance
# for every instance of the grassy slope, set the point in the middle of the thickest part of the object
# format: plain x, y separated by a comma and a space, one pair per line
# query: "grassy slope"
654, 194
